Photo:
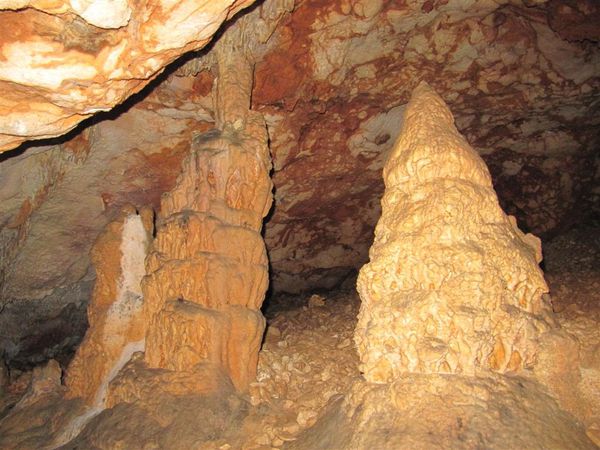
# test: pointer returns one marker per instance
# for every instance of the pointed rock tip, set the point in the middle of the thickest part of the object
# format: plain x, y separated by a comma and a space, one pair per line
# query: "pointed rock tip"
425, 101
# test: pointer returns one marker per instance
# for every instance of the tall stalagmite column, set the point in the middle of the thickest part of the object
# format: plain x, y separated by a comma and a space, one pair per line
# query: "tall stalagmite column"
452, 286
208, 272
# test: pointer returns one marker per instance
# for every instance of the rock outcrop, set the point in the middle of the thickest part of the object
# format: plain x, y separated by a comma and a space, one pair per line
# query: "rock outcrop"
421, 412
334, 89
116, 325
332, 80
452, 286
64, 61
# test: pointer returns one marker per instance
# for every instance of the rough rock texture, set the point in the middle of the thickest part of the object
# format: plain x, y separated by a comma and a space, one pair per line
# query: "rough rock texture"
332, 79
60, 197
445, 411
306, 360
452, 285
116, 324
308, 363
570, 365
64, 61
522, 84
208, 272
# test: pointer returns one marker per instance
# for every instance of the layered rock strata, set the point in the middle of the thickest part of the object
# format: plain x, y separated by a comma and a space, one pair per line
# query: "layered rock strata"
116, 325
452, 286
64, 61
208, 272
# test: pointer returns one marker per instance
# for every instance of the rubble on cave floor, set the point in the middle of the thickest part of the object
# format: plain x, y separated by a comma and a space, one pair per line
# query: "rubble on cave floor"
308, 364
572, 269
306, 343
308, 359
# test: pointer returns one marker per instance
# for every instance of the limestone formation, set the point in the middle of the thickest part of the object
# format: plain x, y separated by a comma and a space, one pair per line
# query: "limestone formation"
331, 80
452, 286
208, 272
63, 61
116, 324
45, 380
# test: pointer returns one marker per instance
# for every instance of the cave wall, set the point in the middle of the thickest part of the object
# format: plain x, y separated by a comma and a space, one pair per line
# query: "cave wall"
332, 81
523, 90
57, 199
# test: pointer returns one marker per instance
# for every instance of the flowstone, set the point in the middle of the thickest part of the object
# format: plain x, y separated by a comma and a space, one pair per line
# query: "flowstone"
452, 286
117, 328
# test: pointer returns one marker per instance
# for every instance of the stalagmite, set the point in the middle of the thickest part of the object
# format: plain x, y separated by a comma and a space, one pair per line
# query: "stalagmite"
452, 286
180, 314
208, 273
116, 328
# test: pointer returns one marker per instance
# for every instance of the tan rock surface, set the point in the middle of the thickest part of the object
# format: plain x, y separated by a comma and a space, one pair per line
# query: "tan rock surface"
452, 286
58, 198
569, 362
116, 325
306, 369
64, 61
433, 411
208, 272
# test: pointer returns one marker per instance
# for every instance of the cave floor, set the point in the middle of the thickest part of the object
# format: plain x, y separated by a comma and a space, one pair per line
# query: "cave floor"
308, 359
309, 394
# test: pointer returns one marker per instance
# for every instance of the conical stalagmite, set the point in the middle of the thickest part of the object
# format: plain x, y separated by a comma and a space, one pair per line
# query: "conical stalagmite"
452, 286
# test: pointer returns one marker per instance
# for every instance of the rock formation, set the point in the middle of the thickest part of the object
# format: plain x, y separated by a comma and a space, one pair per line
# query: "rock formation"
453, 289
421, 412
64, 61
208, 272
332, 80
116, 324
196, 314
452, 286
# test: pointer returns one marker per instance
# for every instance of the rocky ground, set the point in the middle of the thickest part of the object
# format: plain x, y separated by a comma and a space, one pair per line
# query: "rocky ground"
309, 358
309, 393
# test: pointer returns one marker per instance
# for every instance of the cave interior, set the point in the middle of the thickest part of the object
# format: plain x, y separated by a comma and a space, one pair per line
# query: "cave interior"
300, 224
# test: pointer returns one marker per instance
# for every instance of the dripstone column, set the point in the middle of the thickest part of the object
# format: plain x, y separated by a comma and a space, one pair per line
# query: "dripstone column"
208, 273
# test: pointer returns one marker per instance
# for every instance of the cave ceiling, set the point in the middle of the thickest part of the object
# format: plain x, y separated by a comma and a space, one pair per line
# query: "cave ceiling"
332, 79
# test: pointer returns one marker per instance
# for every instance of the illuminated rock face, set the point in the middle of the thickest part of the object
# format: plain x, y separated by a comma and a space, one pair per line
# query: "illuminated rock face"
64, 61
452, 286
208, 272
117, 328
332, 83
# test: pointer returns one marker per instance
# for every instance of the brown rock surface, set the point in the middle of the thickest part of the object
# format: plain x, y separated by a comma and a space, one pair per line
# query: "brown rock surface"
452, 286
432, 411
569, 362
64, 195
332, 79
308, 368
333, 91
208, 272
